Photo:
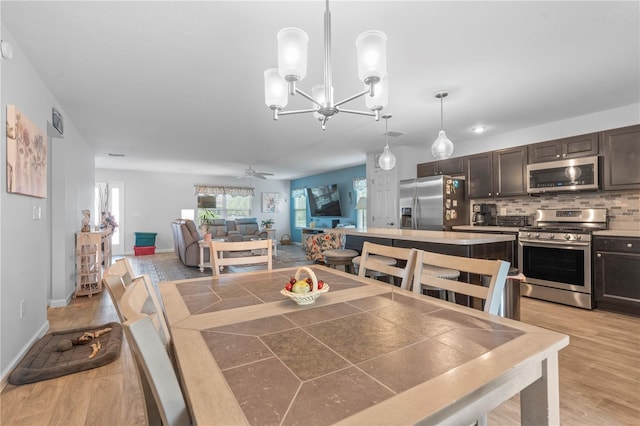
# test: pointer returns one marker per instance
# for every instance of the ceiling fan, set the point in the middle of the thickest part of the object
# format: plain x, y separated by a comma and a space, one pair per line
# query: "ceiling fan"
251, 173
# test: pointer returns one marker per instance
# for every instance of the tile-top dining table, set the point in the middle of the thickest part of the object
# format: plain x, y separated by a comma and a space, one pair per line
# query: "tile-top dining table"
366, 352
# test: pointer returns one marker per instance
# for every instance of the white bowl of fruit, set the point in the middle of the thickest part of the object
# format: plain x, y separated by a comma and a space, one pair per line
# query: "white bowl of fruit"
304, 290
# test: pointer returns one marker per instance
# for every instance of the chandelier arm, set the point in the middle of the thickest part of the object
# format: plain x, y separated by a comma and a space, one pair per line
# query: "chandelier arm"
306, 95
356, 96
297, 111
351, 111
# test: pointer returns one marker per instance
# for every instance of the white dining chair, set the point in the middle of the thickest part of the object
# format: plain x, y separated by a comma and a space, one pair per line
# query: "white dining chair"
115, 287
163, 395
375, 258
246, 252
122, 267
495, 270
141, 298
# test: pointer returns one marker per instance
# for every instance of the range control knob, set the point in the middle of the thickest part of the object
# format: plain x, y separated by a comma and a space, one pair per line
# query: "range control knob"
551, 236
529, 234
567, 237
537, 235
578, 237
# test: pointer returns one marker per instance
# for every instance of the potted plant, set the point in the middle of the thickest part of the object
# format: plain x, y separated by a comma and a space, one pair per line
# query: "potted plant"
206, 219
267, 224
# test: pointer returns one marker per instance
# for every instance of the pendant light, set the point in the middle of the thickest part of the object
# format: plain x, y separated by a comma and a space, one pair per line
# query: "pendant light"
442, 147
387, 160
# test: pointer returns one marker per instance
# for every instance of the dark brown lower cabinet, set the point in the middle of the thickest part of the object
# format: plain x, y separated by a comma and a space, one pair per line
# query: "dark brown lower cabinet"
617, 274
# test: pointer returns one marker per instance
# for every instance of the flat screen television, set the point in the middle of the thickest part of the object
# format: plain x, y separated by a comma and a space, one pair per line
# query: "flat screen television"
324, 200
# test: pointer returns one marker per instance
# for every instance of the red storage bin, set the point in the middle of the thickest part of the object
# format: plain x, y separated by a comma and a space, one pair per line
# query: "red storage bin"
144, 250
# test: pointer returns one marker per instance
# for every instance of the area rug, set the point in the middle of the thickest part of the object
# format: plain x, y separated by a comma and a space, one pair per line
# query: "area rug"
60, 353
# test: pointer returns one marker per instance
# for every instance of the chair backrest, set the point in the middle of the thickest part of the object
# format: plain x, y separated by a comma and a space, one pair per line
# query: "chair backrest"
123, 268
495, 270
369, 263
140, 298
159, 376
115, 287
221, 253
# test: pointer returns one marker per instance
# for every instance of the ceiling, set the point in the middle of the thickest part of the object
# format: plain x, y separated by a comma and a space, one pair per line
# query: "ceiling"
178, 85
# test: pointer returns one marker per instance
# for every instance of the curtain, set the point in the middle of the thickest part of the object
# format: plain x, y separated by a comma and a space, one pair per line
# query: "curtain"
234, 191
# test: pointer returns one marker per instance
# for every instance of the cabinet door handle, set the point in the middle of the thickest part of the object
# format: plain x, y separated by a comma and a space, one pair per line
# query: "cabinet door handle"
598, 255
557, 155
629, 245
489, 193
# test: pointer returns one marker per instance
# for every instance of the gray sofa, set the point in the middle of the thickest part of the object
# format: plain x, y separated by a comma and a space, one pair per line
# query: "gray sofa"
246, 229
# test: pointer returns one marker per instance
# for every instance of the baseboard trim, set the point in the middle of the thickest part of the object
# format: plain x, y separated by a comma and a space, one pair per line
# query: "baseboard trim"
60, 303
14, 362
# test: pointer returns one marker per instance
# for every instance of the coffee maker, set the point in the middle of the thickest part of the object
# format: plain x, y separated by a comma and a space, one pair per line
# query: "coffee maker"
485, 214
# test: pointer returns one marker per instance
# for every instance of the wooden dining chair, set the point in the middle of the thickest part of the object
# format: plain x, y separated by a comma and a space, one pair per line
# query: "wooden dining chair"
115, 287
141, 298
246, 252
495, 270
373, 259
163, 395
122, 267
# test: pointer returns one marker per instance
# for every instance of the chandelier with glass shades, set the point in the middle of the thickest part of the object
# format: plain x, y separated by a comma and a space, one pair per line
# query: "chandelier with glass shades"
280, 82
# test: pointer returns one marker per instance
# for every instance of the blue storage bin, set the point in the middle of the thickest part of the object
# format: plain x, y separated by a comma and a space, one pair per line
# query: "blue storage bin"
146, 238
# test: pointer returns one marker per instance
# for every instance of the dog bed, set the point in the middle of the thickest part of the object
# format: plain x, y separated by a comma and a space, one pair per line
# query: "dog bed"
63, 352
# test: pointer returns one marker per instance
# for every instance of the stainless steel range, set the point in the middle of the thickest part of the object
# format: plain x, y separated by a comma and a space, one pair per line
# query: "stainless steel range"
555, 255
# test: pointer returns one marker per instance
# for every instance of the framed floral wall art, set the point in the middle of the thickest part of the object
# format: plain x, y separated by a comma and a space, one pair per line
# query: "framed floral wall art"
270, 202
26, 156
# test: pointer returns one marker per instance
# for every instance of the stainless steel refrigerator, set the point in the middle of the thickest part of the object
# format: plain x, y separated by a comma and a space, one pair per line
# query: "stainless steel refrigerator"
434, 203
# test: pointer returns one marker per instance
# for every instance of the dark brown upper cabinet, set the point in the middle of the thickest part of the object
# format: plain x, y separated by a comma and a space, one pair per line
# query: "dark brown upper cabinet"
560, 149
449, 167
620, 149
499, 173
510, 171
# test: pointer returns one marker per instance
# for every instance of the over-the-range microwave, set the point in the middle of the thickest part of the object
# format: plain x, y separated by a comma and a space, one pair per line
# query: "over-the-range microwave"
576, 174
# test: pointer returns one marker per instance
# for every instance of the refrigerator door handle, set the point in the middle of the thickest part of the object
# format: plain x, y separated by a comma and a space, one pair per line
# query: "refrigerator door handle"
414, 217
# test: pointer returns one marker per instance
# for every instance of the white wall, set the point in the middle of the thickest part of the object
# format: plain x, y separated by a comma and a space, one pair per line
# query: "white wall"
153, 200
409, 157
37, 256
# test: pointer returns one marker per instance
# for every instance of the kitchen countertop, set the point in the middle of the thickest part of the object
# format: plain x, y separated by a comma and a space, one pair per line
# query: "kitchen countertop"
440, 237
617, 233
473, 228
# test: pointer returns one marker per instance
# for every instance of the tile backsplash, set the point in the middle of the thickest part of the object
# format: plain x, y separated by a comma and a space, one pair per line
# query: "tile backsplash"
623, 207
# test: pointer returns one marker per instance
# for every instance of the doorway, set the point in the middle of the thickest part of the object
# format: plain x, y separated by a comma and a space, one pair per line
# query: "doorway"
109, 198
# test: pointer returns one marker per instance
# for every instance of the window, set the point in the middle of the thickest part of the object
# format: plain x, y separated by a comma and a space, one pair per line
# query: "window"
360, 187
225, 206
299, 208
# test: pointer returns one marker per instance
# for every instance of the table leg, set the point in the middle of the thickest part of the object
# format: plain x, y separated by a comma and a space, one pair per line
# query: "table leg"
540, 401
201, 265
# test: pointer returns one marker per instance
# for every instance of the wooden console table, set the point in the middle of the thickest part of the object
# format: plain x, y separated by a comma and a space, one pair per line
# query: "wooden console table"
93, 252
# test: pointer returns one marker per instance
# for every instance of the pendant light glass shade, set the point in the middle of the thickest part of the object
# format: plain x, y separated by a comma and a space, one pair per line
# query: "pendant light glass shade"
372, 54
318, 94
387, 160
381, 97
275, 89
292, 53
442, 147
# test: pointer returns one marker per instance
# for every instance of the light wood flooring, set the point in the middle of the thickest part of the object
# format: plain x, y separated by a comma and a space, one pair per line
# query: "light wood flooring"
599, 373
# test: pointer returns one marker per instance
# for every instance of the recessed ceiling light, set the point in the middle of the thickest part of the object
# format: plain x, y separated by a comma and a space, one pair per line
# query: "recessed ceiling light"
111, 154
479, 129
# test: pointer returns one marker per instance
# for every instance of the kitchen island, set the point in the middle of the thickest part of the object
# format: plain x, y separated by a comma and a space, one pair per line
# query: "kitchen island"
468, 244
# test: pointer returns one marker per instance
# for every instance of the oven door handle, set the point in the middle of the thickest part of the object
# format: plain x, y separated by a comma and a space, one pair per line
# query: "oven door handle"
555, 243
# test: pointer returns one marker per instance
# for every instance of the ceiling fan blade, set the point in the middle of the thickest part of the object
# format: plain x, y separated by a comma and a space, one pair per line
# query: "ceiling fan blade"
264, 173
259, 176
